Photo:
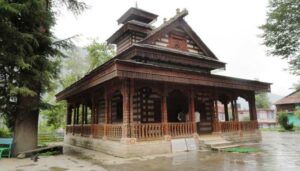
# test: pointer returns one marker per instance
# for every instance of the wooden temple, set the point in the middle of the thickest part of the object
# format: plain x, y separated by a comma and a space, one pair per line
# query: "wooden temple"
152, 88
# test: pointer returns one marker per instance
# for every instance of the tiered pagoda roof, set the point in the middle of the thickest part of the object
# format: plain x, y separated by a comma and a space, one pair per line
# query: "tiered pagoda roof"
146, 52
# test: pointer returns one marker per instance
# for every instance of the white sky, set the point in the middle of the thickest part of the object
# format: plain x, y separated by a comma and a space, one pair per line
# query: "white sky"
229, 28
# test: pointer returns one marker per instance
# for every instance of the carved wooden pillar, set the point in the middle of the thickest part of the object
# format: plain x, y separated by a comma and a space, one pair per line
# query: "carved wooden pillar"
82, 119
236, 110
252, 107
77, 115
165, 110
106, 112
192, 106
226, 110
86, 113
94, 112
69, 114
74, 114
192, 109
216, 112
216, 126
232, 110
126, 107
131, 100
82, 114
93, 117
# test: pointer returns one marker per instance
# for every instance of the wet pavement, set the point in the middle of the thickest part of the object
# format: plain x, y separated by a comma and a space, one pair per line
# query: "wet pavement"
278, 151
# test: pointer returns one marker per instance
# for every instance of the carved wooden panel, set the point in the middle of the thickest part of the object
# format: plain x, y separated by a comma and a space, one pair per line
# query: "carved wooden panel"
146, 106
177, 42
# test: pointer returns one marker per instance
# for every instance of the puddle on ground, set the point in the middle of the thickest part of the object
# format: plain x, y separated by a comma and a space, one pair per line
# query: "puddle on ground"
27, 165
277, 151
57, 169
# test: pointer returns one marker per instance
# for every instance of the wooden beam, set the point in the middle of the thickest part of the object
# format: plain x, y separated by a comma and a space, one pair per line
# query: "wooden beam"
156, 73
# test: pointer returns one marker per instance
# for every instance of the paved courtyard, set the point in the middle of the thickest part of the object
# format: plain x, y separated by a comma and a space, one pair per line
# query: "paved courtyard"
278, 151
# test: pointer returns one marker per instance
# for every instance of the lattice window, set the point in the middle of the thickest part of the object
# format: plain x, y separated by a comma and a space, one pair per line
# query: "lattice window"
101, 110
147, 106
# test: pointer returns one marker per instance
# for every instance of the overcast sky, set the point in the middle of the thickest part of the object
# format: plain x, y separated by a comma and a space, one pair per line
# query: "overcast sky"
229, 28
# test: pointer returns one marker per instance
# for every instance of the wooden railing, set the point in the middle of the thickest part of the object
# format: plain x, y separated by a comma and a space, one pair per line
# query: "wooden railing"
181, 129
154, 131
149, 131
114, 131
77, 129
248, 125
98, 130
231, 126
69, 129
86, 130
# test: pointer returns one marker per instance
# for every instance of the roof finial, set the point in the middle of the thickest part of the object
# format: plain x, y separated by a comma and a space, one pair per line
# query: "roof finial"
136, 4
177, 10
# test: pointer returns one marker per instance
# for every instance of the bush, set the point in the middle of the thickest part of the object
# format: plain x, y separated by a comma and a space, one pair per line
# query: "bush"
283, 120
5, 133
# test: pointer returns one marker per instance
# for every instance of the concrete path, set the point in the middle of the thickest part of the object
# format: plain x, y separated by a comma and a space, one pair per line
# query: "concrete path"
49, 163
278, 151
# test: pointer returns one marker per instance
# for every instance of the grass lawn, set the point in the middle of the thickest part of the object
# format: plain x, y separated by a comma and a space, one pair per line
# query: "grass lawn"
241, 150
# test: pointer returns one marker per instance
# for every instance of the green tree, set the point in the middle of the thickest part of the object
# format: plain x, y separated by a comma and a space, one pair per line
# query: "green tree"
262, 100
73, 68
99, 53
29, 62
283, 121
79, 63
282, 31
53, 112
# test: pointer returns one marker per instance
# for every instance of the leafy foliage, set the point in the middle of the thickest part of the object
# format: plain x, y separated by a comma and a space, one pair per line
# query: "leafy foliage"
29, 55
262, 100
73, 68
5, 133
99, 53
79, 63
284, 121
246, 118
26, 56
282, 30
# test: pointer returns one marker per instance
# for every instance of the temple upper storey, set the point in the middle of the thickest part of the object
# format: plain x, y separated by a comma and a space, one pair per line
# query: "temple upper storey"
173, 37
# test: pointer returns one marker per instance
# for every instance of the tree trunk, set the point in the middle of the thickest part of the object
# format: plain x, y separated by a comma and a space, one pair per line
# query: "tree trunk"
26, 124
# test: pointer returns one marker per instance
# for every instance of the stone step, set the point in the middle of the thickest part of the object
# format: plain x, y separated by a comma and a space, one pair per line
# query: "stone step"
221, 148
216, 143
205, 123
219, 143
212, 140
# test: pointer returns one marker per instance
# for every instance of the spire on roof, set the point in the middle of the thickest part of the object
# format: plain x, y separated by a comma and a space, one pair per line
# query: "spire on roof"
138, 15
